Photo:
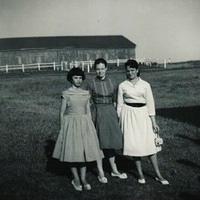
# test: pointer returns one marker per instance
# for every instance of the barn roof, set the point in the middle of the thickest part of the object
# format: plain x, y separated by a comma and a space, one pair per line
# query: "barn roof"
105, 42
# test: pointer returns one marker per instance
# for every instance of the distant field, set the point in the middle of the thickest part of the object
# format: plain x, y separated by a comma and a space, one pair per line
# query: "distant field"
186, 64
29, 107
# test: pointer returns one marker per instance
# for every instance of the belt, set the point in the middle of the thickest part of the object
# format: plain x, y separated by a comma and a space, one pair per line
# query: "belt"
135, 104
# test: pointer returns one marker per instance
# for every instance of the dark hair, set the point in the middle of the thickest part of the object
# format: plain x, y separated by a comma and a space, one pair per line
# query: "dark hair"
98, 61
75, 71
132, 64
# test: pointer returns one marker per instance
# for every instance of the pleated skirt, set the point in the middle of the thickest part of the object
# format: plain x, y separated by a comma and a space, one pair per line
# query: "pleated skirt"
139, 138
107, 126
77, 141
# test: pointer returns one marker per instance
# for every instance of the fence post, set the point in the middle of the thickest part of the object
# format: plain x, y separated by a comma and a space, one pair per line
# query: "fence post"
71, 64
82, 65
6, 68
22, 67
38, 66
54, 66
90, 64
75, 64
165, 64
117, 62
88, 67
66, 66
61, 66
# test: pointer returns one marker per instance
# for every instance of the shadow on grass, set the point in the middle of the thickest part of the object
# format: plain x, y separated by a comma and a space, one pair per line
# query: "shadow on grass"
58, 168
184, 114
188, 163
53, 165
127, 164
196, 141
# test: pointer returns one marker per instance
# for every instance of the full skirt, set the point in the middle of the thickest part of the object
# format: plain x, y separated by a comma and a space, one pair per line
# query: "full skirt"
77, 141
139, 138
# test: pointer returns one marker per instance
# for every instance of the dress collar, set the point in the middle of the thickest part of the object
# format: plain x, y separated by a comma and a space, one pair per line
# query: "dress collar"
101, 80
129, 82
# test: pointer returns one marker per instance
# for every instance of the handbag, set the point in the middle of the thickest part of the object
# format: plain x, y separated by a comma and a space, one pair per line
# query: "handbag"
158, 141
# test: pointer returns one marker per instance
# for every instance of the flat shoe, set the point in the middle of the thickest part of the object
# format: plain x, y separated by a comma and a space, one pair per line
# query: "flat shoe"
102, 179
87, 187
163, 182
121, 176
141, 181
77, 187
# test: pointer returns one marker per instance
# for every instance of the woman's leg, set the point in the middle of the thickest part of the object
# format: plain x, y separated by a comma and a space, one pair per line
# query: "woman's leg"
159, 177
139, 168
154, 161
110, 155
75, 175
86, 186
100, 167
101, 176
83, 175
113, 165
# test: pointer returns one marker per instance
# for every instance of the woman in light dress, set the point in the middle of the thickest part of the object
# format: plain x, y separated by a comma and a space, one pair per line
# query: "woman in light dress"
77, 142
136, 111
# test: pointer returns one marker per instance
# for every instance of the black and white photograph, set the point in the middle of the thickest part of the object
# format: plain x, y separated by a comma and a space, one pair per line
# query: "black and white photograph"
99, 99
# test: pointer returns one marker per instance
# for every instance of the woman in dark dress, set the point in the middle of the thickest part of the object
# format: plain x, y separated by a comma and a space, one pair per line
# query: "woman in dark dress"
103, 91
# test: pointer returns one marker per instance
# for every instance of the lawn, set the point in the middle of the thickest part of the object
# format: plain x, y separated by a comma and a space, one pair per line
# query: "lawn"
29, 113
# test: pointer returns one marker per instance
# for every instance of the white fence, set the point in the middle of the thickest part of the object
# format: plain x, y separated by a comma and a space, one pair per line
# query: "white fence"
62, 66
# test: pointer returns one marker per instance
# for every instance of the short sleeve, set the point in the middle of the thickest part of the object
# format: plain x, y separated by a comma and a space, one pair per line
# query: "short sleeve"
64, 96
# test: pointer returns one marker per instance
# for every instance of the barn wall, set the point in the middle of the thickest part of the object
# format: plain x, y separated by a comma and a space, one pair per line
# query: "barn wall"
57, 55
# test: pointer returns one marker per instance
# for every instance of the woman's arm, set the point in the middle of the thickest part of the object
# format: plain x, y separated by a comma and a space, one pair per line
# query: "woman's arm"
151, 108
62, 111
88, 108
120, 100
114, 97
154, 124
150, 101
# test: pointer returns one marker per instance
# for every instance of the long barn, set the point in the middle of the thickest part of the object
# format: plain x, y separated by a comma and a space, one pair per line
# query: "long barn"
30, 50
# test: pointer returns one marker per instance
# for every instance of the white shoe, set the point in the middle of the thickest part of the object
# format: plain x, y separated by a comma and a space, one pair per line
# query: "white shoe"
77, 187
87, 187
141, 181
121, 176
163, 182
102, 179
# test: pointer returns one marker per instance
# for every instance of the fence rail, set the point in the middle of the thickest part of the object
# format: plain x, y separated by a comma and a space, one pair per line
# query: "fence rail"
62, 66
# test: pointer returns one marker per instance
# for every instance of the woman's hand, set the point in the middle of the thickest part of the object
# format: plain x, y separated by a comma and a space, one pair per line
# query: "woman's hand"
156, 128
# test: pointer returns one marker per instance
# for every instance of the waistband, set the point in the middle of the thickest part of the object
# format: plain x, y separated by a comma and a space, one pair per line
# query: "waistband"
135, 104
103, 103
75, 114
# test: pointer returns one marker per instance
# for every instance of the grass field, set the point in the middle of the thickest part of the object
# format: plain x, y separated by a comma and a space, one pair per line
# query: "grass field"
29, 110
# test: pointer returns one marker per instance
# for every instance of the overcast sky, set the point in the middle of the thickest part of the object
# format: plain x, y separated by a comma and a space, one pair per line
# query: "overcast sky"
161, 29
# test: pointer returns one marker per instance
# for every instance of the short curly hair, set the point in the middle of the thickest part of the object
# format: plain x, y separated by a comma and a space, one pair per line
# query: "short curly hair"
132, 64
75, 71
